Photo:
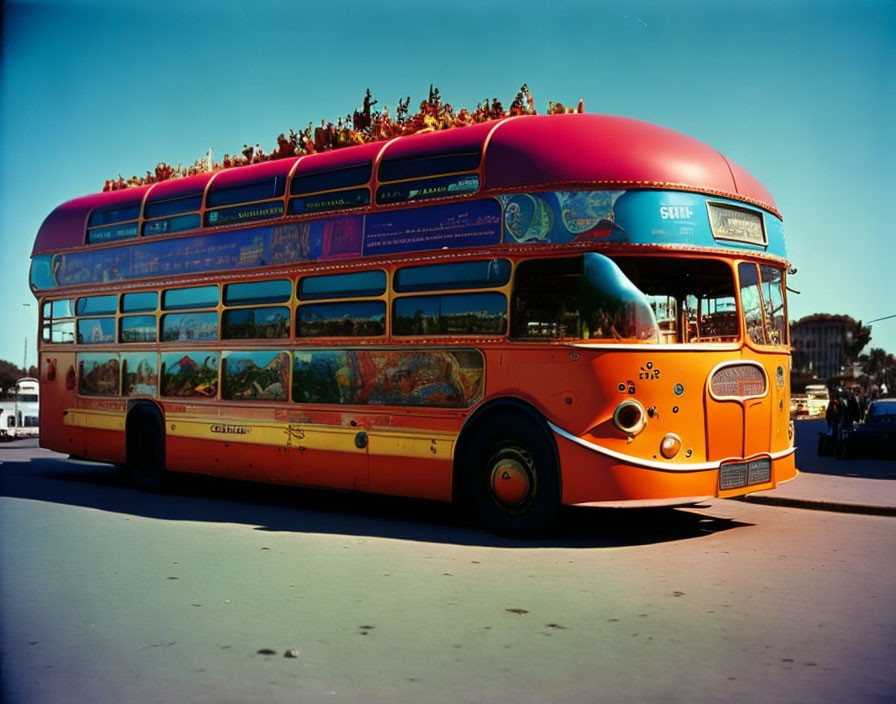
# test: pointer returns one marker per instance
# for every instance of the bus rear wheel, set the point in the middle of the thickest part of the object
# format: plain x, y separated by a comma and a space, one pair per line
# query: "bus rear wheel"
146, 450
513, 481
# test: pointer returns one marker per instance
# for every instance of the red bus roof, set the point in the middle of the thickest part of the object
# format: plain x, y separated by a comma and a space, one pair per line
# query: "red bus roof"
526, 152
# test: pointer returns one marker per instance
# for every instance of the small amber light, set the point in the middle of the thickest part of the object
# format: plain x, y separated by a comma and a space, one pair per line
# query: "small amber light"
670, 446
629, 417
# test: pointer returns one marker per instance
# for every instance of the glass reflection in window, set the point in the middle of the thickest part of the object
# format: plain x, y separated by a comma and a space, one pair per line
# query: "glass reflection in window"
343, 319
751, 301
451, 314
182, 327
138, 328
255, 323
95, 331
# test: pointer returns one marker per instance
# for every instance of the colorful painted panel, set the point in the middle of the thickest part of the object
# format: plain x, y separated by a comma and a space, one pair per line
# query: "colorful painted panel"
98, 374
256, 376
470, 224
638, 217
139, 373
436, 378
559, 216
190, 374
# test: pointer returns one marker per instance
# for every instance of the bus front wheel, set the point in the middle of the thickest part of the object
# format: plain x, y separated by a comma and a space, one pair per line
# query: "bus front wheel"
513, 480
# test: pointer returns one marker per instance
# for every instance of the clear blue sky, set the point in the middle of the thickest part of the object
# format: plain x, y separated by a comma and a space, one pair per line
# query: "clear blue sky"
801, 93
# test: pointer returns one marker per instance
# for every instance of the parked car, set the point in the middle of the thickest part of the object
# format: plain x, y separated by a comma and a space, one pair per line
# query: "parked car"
799, 406
876, 435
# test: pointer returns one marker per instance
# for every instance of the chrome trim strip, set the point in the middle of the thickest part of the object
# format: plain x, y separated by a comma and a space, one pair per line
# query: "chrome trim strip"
648, 347
665, 466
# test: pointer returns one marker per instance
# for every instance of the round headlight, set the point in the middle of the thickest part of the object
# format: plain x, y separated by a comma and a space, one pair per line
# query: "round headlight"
629, 417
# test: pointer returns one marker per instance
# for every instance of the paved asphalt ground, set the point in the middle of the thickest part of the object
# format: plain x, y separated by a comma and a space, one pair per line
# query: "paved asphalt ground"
226, 593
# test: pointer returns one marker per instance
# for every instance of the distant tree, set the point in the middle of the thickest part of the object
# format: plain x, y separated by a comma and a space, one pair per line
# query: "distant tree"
880, 368
855, 342
9, 374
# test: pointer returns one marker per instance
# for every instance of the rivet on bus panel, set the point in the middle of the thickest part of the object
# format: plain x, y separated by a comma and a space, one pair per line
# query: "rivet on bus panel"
670, 446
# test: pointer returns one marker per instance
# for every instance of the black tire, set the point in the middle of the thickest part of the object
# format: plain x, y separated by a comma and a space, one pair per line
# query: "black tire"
146, 450
512, 477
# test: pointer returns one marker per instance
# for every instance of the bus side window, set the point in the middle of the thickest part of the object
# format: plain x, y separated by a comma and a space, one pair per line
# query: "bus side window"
751, 300
342, 319
451, 314
546, 299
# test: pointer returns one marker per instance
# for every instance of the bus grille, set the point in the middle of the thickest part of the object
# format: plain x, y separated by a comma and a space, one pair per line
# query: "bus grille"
741, 474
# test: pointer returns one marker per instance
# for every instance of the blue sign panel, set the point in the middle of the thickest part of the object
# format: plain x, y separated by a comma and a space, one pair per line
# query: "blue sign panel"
675, 217
470, 224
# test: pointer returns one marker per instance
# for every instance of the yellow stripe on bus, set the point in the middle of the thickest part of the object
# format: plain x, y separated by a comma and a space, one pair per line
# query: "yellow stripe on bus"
94, 420
227, 430
405, 442
412, 443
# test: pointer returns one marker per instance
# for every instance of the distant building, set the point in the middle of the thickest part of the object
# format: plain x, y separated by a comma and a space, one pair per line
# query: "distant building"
819, 342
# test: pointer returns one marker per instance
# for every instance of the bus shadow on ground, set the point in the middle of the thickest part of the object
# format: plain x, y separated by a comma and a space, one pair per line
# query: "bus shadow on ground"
298, 510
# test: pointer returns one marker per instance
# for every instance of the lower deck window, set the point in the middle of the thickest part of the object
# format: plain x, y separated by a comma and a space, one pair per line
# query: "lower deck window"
451, 314
342, 319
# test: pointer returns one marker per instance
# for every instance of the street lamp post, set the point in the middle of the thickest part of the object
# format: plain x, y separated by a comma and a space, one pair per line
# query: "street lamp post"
25, 356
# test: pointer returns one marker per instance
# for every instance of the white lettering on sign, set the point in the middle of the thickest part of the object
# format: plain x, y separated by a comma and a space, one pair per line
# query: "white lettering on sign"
676, 212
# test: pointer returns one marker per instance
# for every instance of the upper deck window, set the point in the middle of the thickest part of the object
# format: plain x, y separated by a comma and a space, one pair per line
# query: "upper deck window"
253, 201
331, 190
172, 215
110, 216
424, 177
428, 165
330, 180
107, 224
172, 206
247, 193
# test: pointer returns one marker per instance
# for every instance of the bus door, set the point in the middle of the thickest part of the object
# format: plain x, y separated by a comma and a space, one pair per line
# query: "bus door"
326, 455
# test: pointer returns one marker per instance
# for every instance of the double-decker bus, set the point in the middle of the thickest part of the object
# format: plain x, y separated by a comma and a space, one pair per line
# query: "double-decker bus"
19, 417
521, 314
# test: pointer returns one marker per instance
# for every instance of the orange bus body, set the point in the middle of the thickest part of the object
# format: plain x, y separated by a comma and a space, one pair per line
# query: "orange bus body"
630, 407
